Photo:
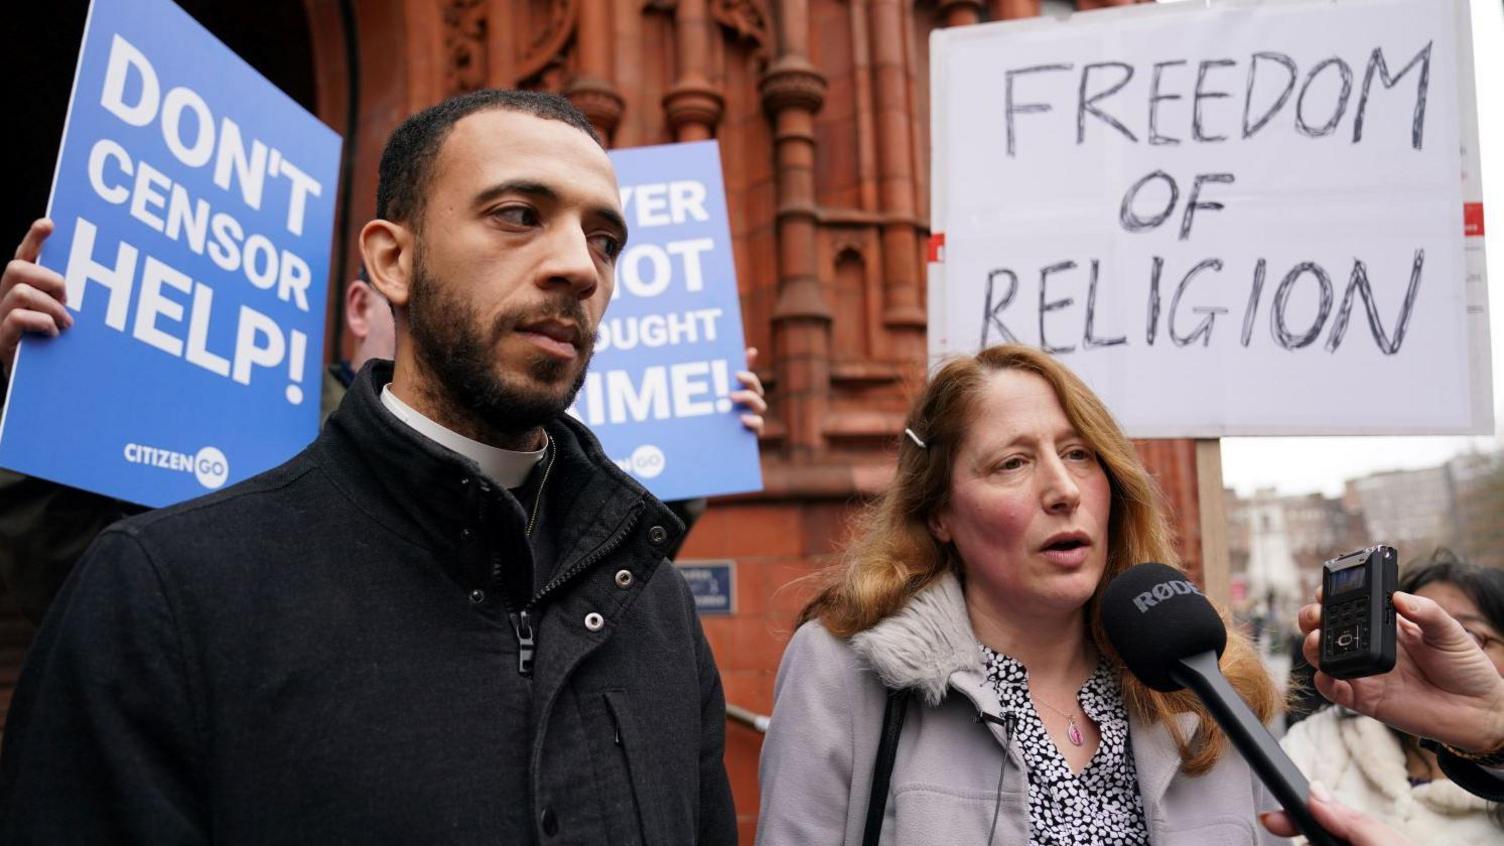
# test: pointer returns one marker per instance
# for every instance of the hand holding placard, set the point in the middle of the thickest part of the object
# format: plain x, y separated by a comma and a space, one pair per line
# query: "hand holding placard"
663, 389
32, 297
191, 211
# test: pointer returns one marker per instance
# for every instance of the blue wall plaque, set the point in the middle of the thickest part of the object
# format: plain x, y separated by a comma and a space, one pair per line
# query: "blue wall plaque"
713, 584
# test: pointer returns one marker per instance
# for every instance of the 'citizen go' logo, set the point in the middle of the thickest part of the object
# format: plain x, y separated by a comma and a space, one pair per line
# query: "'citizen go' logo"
1162, 591
209, 466
645, 462
648, 461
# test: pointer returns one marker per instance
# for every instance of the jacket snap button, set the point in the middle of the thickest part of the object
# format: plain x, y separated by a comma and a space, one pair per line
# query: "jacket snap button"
594, 621
550, 822
623, 578
657, 534
477, 596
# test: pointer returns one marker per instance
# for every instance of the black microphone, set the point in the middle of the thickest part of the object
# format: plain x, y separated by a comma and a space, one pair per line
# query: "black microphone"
1170, 636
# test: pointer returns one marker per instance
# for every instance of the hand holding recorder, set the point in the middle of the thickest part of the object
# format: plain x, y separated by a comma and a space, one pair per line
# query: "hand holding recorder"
1442, 686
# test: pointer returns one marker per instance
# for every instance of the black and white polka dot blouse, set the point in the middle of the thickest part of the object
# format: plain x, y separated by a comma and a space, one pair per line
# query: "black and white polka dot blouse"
1100, 806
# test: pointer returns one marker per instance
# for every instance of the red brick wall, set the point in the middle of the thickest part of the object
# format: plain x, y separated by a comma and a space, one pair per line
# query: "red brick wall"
774, 545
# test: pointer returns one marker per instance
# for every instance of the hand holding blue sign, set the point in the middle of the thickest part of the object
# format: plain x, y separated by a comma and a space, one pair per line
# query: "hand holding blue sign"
751, 395
32, 298
188, 238
660, 392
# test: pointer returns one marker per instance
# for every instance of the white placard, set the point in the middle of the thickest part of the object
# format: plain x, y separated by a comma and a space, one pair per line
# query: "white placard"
1243, 219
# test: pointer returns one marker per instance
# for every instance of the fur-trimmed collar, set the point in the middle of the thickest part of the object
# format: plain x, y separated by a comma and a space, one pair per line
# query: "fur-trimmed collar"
925, 643
1378, 754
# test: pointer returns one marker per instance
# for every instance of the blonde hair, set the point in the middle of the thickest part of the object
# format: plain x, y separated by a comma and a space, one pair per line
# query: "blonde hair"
893, 555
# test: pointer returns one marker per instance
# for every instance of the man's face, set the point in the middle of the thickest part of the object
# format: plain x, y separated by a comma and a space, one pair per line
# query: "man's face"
513, 265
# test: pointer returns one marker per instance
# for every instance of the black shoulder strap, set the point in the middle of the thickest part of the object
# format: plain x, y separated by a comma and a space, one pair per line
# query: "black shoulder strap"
1467, 774
882, 769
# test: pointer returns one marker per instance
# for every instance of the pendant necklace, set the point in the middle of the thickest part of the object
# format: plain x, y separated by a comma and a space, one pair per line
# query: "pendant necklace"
1072, 728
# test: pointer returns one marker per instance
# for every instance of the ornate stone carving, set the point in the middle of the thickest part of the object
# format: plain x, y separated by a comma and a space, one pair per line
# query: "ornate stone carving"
539, 31
699, 104
747, 18
540, 28
792, 82
465, 31
599, 101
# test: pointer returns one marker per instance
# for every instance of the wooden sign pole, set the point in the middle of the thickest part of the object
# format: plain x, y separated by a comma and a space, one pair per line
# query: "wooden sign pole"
1216, 575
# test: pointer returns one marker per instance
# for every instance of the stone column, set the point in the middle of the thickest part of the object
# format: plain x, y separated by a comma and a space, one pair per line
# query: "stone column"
960, 12
591, 90
693, 106
1003, 10
792, 92
902, 310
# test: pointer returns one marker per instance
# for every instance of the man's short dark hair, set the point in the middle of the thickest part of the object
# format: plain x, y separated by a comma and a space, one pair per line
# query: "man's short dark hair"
407, 161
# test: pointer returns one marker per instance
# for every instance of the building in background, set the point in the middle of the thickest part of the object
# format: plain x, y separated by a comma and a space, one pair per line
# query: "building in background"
1274, 538
1274, 583
1459, 505
1275, 548
1412, 510
1478, 488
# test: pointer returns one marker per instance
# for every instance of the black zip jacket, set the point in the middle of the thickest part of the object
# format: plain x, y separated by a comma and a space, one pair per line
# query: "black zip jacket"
329, 653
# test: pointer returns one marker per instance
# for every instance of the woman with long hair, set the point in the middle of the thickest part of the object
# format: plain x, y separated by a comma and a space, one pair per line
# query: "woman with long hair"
969, 599
1389, 774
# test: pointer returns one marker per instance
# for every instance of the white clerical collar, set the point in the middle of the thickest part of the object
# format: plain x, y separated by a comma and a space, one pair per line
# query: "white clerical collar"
503, 466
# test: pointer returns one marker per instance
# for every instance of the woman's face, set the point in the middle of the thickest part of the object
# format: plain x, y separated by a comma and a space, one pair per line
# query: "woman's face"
1029, 502
1457, 603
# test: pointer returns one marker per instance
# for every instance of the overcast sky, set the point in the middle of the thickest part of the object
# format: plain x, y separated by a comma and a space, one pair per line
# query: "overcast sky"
1302, 465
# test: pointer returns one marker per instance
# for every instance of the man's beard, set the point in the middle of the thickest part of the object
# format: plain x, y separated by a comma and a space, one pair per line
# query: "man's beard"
472, 382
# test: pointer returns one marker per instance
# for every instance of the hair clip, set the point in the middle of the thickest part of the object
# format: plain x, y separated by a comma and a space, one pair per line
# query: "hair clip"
915, 438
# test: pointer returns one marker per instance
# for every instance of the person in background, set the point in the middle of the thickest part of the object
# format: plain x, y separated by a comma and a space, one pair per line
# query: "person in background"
368, 320
1302, 699
1385, 772
1444, 688
971, 588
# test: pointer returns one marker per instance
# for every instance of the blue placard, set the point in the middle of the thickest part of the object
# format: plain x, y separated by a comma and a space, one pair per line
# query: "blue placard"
671, 342
713, 585
194, 205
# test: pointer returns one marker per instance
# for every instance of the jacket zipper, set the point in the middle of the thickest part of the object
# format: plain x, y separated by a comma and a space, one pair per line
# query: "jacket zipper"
522, 619
588, 561
522, 627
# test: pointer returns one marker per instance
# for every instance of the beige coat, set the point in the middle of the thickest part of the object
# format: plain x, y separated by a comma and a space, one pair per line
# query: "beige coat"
1363, 764
827, 713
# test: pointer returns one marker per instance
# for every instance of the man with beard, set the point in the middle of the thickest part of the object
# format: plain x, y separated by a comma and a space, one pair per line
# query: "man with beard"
450, 618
